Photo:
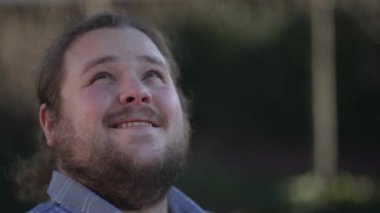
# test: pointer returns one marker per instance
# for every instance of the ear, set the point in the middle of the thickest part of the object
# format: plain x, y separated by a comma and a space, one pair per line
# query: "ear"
47, 123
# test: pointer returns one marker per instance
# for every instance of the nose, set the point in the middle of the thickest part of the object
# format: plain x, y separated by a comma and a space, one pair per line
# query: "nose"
134, 92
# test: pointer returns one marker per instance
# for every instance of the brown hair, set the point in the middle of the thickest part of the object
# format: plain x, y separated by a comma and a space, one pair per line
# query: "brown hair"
32, 175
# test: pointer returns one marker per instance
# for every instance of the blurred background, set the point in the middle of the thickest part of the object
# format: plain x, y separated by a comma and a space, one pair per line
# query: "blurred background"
286, 96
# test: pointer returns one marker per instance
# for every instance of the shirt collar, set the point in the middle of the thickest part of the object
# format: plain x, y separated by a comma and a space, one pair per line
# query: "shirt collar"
75, 196
181, 203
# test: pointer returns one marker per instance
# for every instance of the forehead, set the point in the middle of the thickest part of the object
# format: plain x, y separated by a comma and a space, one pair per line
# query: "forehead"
124, 43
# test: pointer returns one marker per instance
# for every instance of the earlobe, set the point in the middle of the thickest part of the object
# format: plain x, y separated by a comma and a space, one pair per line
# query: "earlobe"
47, 123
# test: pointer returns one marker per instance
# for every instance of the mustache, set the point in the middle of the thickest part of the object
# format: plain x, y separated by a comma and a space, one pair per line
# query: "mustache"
128, 112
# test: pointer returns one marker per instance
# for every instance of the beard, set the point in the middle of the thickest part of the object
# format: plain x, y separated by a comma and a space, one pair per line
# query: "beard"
120, 178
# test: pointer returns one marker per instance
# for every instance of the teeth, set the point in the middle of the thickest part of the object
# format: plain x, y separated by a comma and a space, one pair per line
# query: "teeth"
132, 124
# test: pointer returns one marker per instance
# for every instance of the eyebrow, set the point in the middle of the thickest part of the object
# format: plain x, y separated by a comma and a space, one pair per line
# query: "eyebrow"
97, 61
152, 60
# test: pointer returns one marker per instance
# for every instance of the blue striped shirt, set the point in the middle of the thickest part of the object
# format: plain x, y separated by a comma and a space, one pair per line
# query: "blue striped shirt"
69, 196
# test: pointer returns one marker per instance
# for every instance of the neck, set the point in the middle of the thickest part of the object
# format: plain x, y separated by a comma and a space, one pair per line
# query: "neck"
160, 207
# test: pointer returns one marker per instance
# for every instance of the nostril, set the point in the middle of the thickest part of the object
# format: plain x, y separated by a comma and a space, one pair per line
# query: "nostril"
144, 99
130, 99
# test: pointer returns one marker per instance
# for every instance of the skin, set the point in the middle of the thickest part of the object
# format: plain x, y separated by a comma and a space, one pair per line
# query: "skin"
114, 78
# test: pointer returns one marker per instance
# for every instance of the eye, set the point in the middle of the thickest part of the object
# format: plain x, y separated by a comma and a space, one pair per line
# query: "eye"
102, 76
152, 74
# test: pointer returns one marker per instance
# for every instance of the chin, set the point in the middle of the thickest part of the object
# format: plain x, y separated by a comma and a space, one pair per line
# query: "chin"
144, 153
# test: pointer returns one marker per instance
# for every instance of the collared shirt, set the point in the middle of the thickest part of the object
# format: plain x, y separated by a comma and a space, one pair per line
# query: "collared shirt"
69, 196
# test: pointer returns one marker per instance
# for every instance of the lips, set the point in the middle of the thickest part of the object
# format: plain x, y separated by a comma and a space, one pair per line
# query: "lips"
130, 117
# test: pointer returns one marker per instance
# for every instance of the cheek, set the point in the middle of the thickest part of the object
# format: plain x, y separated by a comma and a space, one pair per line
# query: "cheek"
168, 103
87, 105
96, 98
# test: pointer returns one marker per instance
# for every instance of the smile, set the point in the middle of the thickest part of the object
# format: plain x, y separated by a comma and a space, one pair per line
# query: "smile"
133, 124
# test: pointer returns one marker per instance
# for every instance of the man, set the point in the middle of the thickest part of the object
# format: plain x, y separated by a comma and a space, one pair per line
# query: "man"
115, 126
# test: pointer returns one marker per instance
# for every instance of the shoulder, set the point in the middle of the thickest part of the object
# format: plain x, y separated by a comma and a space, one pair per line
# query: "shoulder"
49, 207
179, 202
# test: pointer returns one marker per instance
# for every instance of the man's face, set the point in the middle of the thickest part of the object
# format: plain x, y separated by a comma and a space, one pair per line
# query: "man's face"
120, 112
